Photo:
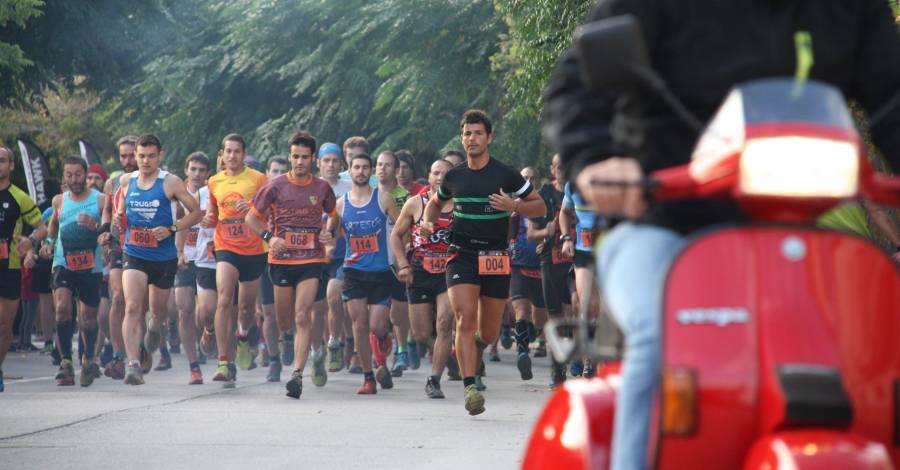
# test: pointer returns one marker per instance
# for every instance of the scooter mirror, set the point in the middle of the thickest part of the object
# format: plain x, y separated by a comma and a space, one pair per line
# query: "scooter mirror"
611, 52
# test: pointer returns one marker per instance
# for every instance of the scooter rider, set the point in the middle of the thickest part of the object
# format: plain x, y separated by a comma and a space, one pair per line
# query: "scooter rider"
854, 46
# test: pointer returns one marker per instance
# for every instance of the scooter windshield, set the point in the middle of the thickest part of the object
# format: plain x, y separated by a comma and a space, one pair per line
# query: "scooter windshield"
788, 101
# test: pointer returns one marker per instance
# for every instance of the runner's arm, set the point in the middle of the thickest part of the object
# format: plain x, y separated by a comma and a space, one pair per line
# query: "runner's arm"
401, 228
532, 206
390, 207
334, 222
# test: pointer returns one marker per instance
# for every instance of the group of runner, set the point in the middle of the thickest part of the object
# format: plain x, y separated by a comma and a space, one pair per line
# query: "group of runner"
344, 268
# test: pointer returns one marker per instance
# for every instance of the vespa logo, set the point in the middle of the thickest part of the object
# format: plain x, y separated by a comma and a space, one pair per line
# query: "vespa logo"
719, 316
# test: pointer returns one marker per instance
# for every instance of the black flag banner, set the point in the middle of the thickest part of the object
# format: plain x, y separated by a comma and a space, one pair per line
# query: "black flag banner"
37, 172
88, 153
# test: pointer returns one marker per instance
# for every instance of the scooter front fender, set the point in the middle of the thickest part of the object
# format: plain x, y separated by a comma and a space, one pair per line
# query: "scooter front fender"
575, 429
816, 449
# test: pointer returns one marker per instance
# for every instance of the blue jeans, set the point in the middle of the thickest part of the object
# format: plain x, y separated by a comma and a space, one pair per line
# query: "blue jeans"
632, 267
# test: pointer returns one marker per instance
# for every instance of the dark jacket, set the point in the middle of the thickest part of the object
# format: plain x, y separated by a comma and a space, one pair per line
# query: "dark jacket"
702, 48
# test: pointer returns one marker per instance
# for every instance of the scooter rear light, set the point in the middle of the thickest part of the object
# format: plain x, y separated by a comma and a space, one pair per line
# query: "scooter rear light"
679, 402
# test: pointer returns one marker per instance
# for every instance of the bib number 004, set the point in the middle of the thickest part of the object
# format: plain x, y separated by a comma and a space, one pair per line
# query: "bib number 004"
493, 263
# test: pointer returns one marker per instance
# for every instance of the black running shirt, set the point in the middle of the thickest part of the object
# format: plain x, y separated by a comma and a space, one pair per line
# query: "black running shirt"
477, 225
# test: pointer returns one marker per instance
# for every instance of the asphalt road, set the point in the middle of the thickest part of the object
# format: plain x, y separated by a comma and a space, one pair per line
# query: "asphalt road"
167, 424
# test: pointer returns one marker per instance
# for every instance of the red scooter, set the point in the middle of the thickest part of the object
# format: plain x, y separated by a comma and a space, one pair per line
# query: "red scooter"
780, 344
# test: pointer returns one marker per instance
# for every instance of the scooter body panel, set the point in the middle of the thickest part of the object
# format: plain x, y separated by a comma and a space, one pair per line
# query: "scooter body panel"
823, 450
741, 303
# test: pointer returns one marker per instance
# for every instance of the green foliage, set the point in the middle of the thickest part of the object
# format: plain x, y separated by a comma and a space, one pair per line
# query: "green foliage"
12, 58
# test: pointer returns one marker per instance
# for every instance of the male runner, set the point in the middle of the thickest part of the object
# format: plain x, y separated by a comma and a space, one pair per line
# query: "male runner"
363, 214
275, 166
15, 207
205, 260
353, 146
406, 172
114, 241
77, 268
196, 168
386, 173
147, 210
330, 162
240, 256
423, 273
293, 205
482, 190
555, 265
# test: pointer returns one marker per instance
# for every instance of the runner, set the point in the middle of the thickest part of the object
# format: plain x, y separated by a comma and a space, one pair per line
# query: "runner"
205, 260
555, 265
276, 166
423, 273
196, 168
240, 256
363, 214
386, 173
525, 291
330, 161
455, 157
293, 205
406, 172
114, 242
482, 191
96, 179
77, 269
15, 207
147, 210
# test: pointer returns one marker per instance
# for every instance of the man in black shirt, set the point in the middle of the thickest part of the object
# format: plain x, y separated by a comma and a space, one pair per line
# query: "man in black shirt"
701, 49
484, 193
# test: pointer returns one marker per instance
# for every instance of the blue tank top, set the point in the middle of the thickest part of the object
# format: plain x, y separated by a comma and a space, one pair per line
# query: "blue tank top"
147, 209
524, 252
586, 219
76, 248
365, 232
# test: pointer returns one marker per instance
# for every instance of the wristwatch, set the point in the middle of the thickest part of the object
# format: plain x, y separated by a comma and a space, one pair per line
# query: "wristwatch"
565, 238
266, 235
173, 228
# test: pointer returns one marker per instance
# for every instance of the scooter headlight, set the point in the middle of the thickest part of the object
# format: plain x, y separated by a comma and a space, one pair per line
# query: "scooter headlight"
799, 167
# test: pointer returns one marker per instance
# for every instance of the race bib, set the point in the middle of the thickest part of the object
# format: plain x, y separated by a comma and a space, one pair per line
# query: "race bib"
587, 238
301, 239
364, 244
4, 250
192, 237
435, 263
80, 260
142, 237
493, 263
234, 229
557, 257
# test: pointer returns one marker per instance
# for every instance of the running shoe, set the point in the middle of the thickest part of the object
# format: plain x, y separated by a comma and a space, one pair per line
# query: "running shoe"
196, 377
146, 360
48, 347
274, 374
115, 370
523, 363
208, 343
368, 388
28, 347
433, 389
474, 401
576, 368
232, 376
287, 349
56, 358
383, 376
133, 375
506, 339
153, 337
414, 360
479, 383
401, 363
355, 369
165, 363
295, 385
494, 355
89, 371
541, 350
174, 338
319, 376
221, 374
66, 374
244, 357
335, 356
